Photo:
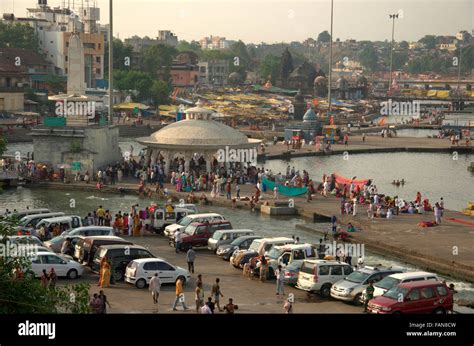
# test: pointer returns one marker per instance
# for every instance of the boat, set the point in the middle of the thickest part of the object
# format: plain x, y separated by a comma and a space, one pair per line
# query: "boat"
469, 210
284, 190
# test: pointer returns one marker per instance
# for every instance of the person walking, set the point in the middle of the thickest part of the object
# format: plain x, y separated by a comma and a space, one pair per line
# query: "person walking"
179, 295
369, 294
279, 281
199, 297
101, 215
53, 279
263, 269
155, 287
217, 293
103, 302
44, 279
177, 240
190, 257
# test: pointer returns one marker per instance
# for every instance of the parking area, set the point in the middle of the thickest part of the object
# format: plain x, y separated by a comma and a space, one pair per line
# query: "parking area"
251, 296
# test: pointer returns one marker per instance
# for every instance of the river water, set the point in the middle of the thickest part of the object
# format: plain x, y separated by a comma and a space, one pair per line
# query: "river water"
60, 200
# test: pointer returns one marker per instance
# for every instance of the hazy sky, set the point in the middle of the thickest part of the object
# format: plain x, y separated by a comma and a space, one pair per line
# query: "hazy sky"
270, 21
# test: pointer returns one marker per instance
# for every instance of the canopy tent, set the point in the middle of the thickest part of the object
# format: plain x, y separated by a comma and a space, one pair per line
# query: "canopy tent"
131, 106
284, 190
341, 180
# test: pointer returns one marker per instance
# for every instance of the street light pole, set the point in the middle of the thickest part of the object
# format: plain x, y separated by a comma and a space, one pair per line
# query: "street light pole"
392, 16
111, 64
459, 64
330, 62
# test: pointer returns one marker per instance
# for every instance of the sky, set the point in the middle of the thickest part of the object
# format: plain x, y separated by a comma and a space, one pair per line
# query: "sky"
271, 21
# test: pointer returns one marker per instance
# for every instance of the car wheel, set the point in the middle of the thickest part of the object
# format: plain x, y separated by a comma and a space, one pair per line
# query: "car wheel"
118, 276
72, 274
439, 311
357, 299
140, 283
182, 278
325, 290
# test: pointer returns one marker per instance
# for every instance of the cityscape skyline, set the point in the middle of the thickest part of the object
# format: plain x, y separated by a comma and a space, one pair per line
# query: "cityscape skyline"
294, 19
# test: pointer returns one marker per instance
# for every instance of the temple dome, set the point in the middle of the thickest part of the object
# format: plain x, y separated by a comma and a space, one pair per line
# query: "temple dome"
310, 115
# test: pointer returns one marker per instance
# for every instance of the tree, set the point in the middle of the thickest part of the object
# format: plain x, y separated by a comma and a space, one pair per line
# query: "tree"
193, 46
429, 41
18, 36
467, 58
399, 60
55, 84
270, 68
26, 295
324, 37
286, 65
138, 81
157, 60
160, 92
240, 59
404, 45
368, 57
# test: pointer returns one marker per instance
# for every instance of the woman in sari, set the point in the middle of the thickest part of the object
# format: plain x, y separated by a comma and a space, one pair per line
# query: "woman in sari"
136, 225
105, 275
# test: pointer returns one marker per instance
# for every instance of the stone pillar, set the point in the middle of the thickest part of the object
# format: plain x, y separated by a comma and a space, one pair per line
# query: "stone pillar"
167, 160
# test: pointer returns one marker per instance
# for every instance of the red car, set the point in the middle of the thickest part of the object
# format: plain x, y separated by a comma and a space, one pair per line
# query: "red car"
416, 297
197, 234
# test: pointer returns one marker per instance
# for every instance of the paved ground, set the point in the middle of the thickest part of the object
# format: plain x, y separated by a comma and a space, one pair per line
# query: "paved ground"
251, 296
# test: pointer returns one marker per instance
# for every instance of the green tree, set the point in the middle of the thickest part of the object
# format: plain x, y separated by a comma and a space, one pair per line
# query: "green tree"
157, 60
368, 57
429, 41
26, 295
404, 45
286, 65
160, 92
193, 46
324, 37
18, 36
270, 68
215, 54
467, 58
399, 59
137, 81
240, 59
55, 83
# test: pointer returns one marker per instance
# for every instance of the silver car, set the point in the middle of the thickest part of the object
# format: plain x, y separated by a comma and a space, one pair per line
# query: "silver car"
350, 289
224, 237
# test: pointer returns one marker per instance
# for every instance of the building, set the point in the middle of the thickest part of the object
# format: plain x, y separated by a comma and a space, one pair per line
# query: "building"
306, 130
450, 47
213, 72
463, 36
184, 73
215, 42
54, 27
167, 37
12, 81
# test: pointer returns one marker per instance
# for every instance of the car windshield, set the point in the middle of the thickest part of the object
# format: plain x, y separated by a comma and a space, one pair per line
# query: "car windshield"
396, 293
23, 222
254, 246
217, 235
190, 229
357, 277
387, 283
237, 241
274, 253
185, 221
56, 240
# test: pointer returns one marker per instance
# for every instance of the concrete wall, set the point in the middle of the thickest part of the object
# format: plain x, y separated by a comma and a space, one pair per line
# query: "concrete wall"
12, 101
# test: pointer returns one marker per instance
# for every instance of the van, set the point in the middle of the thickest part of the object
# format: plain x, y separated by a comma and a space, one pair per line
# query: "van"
162, 218
318, 276
415, 297
258, 246
186, 221
392, 280
65, 222
28, 223
23, 213
120, 255
189, 206
89, 231
85, 248
285, 254
197, 234
226, 237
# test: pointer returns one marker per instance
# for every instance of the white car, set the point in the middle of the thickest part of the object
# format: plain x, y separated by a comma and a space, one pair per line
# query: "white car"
186, 221
140, 271
63, 266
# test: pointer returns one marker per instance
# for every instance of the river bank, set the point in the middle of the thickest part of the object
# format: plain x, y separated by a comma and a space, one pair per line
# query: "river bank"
447, 249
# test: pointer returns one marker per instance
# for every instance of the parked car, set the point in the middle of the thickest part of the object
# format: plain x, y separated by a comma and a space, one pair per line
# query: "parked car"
264, 244
28, 223
241, 243
56, 243
350, 289
85, 248
197, 234
65, 222
162, 218
120, 255
392, 280
23, 213
89, 231
318, 276
63, 266
226, 237
189, 206
239, 258
25, 240
415, 297
291, 271
186, 221
140, 271
285, 254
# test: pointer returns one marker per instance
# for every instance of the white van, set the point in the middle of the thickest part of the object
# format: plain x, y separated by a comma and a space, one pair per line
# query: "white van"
265, 244
390, 281
319, 275
162, 218
23, 213
285, 254
223, 237
183, 223
28, 222
68, 222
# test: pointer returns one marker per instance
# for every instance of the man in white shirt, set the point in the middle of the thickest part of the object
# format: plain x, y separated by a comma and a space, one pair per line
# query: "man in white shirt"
155, 286
177, 240
130, 224
206, 310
